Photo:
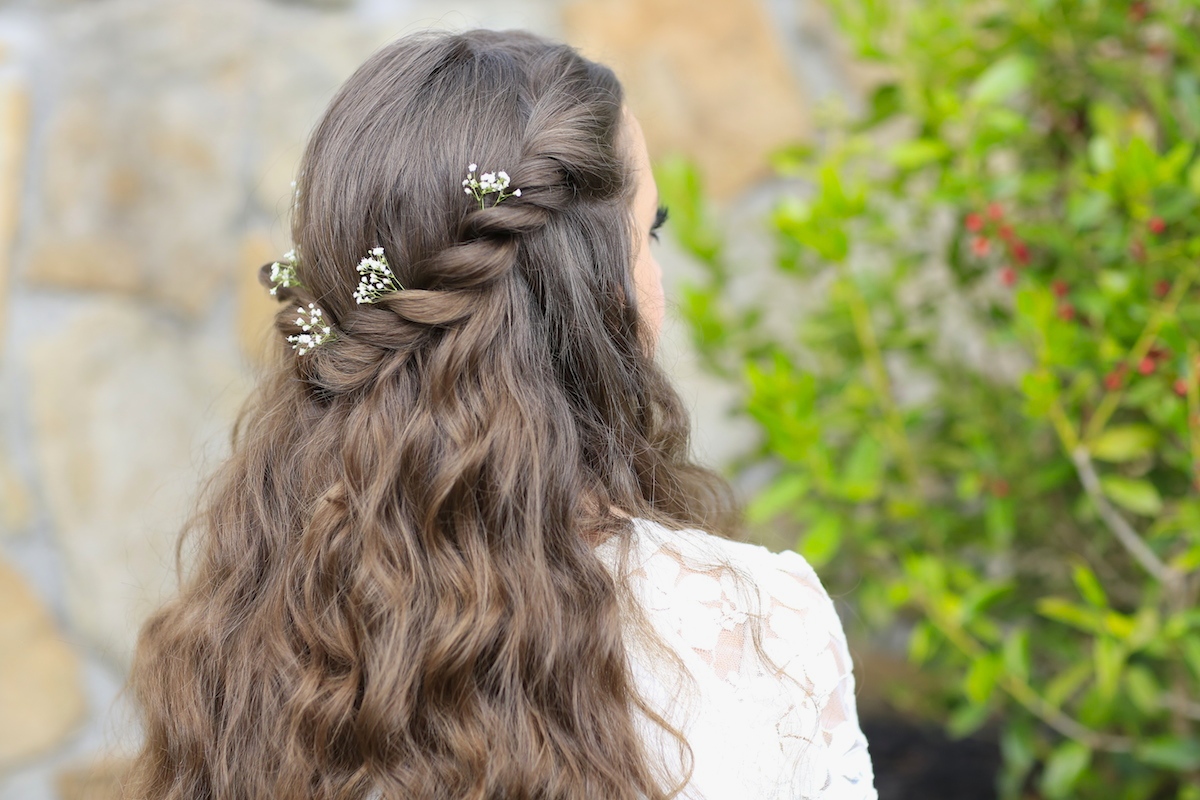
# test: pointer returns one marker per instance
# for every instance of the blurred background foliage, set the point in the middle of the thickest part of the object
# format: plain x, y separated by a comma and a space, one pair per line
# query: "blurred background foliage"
979, 393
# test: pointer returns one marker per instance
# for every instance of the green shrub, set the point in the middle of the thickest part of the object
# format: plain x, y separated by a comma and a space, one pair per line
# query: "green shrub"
986, 432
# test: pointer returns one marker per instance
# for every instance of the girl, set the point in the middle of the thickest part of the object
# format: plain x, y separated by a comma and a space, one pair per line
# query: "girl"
459, 550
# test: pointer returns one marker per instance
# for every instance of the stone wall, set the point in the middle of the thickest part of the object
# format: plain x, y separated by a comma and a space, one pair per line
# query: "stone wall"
146, 152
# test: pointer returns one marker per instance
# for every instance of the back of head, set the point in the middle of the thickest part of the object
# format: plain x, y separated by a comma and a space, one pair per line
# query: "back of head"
394, 588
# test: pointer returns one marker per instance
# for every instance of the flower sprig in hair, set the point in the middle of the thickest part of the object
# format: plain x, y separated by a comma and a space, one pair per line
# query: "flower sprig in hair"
316, 331
376, 278
488, 183
283, 272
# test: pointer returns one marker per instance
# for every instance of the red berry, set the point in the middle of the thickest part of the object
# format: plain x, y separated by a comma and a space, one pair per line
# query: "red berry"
1138, 10
1147, 365
1181, 387
1113, 380
1066, 311
1156, 225
1008, 276
1161, 288
1000, 487
1020, 252
1060, 288
974, 222
1006, 233
995, 211
980, 246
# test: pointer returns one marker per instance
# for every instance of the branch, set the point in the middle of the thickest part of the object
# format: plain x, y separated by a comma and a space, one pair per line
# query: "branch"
1124, 532
1023, 693
1181, 704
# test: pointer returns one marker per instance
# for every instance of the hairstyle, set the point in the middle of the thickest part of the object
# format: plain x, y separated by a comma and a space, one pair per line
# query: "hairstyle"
393, 586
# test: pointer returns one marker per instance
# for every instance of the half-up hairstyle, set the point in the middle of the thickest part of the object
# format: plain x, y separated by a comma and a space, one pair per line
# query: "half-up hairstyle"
394, 588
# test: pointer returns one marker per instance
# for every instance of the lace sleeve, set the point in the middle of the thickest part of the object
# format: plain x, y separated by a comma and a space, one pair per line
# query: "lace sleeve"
805, 637
766, 734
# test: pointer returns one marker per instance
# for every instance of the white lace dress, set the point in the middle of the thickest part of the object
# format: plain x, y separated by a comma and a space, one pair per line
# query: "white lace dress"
754, 735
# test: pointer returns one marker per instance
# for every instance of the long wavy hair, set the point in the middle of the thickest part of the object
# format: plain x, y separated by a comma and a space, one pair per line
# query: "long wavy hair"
392, 586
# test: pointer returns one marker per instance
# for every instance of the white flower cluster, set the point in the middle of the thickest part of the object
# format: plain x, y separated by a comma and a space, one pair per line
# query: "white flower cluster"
377, 278
316, 332
488, 183
283, 272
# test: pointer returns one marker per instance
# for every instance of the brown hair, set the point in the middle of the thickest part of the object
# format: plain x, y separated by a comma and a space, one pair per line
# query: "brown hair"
393, 585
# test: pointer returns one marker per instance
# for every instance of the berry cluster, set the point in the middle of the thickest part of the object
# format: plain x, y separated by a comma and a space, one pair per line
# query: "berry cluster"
991, 225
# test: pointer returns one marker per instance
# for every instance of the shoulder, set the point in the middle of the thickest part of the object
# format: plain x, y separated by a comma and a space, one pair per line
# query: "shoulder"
785, 577
681, 567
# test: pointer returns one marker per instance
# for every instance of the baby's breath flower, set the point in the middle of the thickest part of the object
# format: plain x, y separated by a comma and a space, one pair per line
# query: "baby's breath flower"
283, 272
376, 278
316, 331
488, 183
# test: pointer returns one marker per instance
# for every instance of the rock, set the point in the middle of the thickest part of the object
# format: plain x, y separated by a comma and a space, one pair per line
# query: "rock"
140, 181
99, 780
128, 412
710, 80
14, 133
16, 504
41, 695
293, 85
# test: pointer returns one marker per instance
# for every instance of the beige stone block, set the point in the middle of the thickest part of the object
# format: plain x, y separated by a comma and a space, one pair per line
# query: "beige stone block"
14, 132
100, 780
16, 504
41, 697
141, 189
256, 308
293, 88
708, 78
129, 411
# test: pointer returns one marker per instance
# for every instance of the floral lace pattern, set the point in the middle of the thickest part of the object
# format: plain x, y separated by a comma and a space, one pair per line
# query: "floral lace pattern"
754, 734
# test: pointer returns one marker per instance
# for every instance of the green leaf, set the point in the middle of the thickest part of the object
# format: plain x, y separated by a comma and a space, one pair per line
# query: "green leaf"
1088, 585
1110, 658
966, 719
1125, 443
1191, 653
918, 153
1143, 689
1016, 653
1063, 768
1101, 154
980, 680
1040, 390
982, 595
821, 541
1193, 178
1002, 80
1067, 682
784, 493
1188, 560
1085, 619
1170, 752
886, 101
1017, 747
920, 643
999, 518
680, 187
1132, 494
861, 476
1087, 210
